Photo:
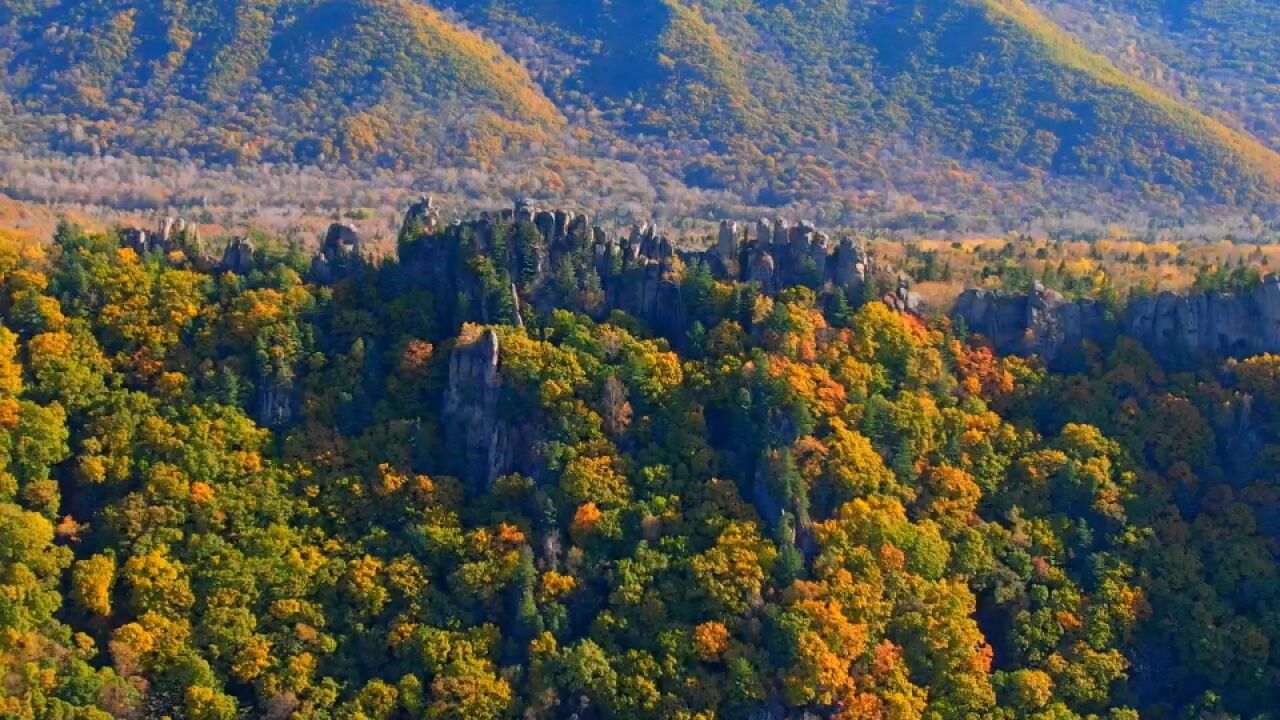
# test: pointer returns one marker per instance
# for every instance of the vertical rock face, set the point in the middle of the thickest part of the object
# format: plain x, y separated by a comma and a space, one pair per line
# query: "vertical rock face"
169, 235
580, 229
1217, 323
1040, 323
1172, 327
763, 270
474, 432
423, 214
137, 240
275, 403
524, 210
164, 229
545, 221
342, 237
781, 232
637, 274
850, 264
340, 252
727, 248
237, 257
560, 229
764, 231
904, 300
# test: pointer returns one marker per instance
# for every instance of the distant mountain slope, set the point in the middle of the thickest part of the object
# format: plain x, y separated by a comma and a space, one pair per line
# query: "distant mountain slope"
986, 79
774, 102
364, 80
1220, 56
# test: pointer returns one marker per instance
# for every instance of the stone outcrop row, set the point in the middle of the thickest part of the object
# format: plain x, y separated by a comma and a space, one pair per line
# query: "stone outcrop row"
1040, 322
635, 269
340, 252
1172, 327
636, 273
783, 255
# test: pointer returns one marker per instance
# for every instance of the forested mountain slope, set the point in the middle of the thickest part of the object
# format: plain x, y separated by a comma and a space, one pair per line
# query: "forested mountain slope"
271, 488
773, 101
358, 80
1218, 56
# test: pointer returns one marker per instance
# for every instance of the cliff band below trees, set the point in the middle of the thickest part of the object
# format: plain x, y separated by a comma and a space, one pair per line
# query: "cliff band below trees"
1172, 327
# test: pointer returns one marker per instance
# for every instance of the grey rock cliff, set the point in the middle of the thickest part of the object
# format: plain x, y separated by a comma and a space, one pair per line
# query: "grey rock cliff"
1040, 322
1172, 327
275, 403
340, 253
237, 257
484, 445
638, 273
423, 214
1228, 324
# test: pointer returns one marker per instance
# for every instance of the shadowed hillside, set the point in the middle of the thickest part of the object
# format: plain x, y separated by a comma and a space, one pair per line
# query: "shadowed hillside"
775, 103
364, 81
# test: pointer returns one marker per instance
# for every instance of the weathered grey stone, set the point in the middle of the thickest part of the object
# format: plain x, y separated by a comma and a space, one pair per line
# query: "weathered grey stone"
727, 248
472, 427
321, 270
820, 254
545, 221
1228, 324
561, 227
763, 270
905, 300
342, 237
164, 229
135, 239
800, 240
423, 213
781, 232
237, 257
580, 228
662, 248
339, 254
850, 267
764, 231
275, 402
524, 210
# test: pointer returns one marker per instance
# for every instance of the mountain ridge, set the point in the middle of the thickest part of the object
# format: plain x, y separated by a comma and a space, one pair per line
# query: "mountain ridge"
771, 102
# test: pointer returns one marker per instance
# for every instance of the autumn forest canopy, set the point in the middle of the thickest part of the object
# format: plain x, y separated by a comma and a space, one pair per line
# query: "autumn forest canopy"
346, 489
971, 411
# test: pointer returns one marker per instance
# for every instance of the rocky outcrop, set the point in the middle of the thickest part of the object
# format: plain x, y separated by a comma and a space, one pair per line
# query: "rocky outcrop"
1040, 322
784, 255
237, 257
728, 255
483, 444
851, 264
137, 240
1227, 324
274, 403
176, 233
341, 253
423, 215
558, 259
905, 300
1172, 327
169, 235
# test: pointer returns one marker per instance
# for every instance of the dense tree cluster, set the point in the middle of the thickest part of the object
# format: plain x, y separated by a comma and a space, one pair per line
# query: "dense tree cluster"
847, 512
